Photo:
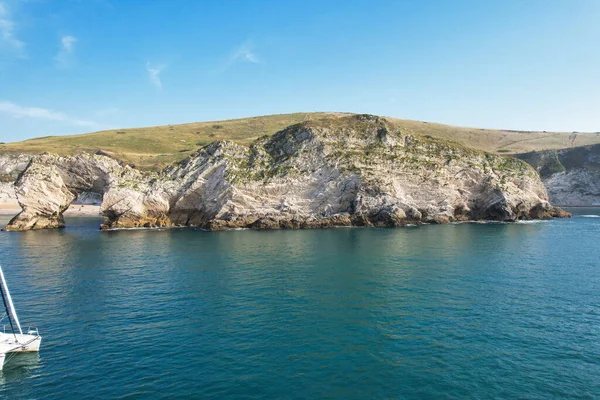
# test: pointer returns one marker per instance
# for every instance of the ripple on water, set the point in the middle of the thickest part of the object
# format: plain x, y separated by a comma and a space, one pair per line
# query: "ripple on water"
466, 310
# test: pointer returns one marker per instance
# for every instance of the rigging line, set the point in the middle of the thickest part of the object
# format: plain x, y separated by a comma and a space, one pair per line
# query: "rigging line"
9, 355
13, 313
7, 312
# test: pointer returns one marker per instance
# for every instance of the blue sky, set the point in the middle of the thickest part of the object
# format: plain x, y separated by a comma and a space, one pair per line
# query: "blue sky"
79, 66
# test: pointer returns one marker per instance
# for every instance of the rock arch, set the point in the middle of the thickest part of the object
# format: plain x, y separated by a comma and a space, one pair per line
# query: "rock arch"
50, 183
356, 170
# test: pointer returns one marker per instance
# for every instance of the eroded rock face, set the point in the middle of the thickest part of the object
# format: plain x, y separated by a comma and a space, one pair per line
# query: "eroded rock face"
571, 176
356, 170
11, 165
51, 183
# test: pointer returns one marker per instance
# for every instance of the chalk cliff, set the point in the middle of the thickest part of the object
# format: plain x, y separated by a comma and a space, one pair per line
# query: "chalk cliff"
571, 176
11, 165
358, 170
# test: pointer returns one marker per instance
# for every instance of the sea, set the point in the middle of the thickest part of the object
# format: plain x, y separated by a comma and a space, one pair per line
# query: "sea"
495, 310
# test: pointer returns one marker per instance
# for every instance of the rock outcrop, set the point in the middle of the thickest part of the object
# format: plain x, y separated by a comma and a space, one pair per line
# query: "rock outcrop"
357, 170
571, 176
11, 165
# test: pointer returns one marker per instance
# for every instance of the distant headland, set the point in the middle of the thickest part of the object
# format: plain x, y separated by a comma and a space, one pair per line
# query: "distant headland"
301, 170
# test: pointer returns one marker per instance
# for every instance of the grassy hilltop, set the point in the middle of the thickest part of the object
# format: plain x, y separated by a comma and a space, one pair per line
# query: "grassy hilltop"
155, 147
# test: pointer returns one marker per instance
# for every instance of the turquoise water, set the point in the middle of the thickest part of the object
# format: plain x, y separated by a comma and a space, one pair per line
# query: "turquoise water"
478, 311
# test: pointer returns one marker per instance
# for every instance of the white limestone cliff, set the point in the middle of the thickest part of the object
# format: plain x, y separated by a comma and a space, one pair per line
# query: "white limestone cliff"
357, 170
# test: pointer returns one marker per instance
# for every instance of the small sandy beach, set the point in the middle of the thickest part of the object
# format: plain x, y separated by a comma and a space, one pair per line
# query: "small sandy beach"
75, 210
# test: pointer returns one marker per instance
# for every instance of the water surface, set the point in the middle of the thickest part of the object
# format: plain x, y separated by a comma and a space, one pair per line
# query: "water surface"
487, 311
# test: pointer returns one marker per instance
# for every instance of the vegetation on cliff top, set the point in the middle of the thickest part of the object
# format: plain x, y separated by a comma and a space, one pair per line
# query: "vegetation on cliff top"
156, 147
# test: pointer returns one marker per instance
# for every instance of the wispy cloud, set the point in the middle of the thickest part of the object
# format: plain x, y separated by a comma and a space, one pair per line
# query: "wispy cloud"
64, 58
7, 30
242, 53
245, 52
17, 111
154, 74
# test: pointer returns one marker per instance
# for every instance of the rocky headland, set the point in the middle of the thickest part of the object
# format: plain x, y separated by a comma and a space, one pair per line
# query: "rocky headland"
357, 170
571, 176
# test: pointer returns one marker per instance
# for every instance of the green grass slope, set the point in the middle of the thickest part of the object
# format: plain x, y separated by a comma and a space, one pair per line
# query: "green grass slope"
155, 147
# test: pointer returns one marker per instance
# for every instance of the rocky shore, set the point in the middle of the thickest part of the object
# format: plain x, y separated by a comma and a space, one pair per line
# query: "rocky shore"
358, 170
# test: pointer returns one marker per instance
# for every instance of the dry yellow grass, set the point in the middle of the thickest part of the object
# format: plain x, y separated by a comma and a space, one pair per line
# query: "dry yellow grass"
500, 141
155, 147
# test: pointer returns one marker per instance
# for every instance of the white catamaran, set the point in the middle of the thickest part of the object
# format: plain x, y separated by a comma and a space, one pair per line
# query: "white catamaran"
15, 341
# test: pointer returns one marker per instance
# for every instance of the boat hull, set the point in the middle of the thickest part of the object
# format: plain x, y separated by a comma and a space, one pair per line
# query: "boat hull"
19, 343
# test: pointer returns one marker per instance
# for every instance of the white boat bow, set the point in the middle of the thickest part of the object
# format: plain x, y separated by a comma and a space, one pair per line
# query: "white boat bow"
15, 341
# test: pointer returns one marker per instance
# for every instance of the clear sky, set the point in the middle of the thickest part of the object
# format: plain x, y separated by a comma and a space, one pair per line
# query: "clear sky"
80, 66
